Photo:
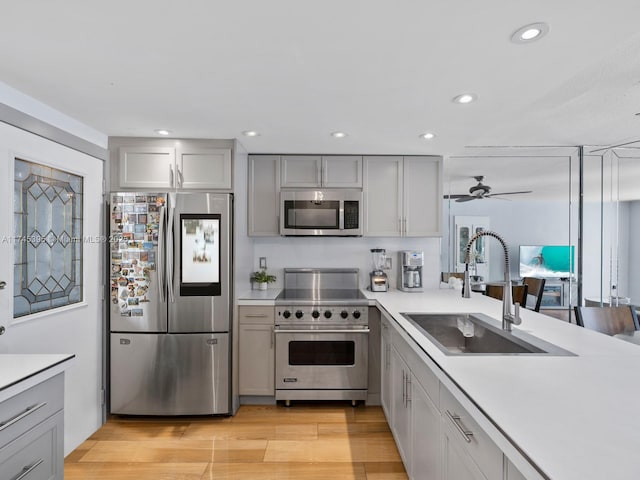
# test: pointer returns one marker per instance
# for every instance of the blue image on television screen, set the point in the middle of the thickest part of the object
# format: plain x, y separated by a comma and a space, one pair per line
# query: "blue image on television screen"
547, 261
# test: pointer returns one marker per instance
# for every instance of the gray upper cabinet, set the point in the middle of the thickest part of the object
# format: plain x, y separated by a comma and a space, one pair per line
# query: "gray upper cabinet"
383, 196
301, 171
146, 167
264, 195
204, 168
154, 164
403, 196
422, 196
342, 171
315, 171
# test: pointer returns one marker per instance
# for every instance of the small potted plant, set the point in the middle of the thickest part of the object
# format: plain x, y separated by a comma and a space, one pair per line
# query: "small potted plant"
262, 278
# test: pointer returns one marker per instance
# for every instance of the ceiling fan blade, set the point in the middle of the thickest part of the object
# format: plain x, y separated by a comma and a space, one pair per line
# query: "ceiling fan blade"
508, 193
467, 198
456, 196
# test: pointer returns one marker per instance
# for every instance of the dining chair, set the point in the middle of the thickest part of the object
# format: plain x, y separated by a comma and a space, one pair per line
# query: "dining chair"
518, 293
608, 320
535, 289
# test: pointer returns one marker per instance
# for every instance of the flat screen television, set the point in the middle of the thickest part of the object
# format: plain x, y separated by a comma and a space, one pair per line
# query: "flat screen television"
547, 261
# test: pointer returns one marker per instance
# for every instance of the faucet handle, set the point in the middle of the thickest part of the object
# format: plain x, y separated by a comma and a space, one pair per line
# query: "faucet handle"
516, 314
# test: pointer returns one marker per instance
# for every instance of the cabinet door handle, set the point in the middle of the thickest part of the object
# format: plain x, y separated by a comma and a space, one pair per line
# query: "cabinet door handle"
404, 221
273, 337
404, 385
467, 434
180, 176
20, 416
408, 390
27, 470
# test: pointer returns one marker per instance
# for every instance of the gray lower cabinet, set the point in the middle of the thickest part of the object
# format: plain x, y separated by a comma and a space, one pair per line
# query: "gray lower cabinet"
31, 433
386, 333
401, 406
437, 430
466, 447
256, 350
411, 412
425, 441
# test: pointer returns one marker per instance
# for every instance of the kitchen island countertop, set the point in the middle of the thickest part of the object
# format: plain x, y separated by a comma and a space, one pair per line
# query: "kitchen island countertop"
573, 416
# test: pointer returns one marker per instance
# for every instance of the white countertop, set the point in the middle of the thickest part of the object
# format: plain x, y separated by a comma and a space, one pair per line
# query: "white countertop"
21, 371
575, 417
259, 297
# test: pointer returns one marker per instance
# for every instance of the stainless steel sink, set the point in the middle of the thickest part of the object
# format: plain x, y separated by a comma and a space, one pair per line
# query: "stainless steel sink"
478, 334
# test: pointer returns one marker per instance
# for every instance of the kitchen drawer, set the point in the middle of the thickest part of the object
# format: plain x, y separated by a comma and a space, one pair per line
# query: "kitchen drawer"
36, 455
257, 315
25, 410
477, 443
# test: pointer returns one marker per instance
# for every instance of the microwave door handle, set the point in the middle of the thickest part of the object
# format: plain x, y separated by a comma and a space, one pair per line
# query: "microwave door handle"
341, 215
161, 274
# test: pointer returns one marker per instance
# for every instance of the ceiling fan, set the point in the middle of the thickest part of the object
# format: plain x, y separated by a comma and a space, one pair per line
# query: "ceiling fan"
480, 191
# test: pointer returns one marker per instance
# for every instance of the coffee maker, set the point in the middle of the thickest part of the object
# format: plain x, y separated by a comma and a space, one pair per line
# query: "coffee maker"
410, 275
378, 281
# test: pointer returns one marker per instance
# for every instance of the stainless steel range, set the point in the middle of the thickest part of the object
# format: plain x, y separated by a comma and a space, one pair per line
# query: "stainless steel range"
322, 336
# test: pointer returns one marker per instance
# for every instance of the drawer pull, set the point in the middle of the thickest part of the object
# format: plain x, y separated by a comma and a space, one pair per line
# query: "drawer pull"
255, 315
27, 470
20, 416
463, 431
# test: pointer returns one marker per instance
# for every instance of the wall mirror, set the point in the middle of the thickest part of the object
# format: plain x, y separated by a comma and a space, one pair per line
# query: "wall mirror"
546, 216
611, 223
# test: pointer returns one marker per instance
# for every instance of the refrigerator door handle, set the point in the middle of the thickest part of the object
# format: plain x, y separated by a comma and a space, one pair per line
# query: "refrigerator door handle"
170, 247
161, 252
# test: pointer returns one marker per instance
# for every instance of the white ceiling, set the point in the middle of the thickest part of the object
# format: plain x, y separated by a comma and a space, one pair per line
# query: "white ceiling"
382, 71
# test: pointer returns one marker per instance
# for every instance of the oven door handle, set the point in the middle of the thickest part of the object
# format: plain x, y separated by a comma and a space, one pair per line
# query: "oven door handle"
362, 330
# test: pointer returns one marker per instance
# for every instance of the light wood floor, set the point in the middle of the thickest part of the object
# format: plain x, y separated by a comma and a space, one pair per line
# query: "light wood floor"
306, 441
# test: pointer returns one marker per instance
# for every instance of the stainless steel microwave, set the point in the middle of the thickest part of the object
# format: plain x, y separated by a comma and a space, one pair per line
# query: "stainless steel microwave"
334, 212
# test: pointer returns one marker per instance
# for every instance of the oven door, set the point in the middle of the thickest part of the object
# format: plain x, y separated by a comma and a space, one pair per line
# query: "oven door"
321, 359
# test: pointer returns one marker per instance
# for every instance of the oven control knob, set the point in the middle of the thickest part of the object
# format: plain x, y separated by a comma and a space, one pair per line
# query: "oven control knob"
315, 314
299, 314
286, 314
327, 313
344, 314
356, 314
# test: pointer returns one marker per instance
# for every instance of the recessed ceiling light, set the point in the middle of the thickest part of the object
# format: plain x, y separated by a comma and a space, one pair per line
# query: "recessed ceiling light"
250, 133
427, 135
465, 98
338, 134
530, 33
162, 131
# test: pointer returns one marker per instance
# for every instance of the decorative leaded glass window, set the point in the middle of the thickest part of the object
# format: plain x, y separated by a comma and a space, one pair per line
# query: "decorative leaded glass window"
48, 234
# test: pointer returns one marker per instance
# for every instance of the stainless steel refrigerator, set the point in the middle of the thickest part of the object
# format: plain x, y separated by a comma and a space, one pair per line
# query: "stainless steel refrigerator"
171, 291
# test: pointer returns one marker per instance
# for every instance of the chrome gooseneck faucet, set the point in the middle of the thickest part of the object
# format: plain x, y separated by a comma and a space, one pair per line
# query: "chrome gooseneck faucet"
508, 318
